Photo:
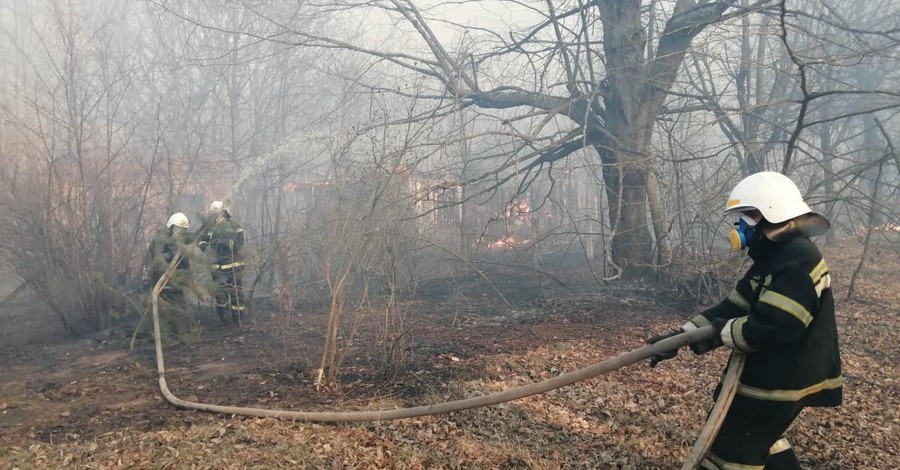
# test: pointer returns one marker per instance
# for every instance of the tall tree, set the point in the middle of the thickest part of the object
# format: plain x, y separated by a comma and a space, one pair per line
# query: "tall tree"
610, 87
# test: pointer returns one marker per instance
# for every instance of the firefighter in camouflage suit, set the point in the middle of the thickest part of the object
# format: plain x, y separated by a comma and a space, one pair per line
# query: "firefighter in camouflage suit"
175, 320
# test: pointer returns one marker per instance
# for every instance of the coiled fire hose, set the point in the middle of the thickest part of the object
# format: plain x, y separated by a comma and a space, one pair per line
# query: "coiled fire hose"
707, 434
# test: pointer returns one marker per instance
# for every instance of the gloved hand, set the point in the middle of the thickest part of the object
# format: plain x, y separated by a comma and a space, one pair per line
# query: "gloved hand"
703, 347
657, 358
718, 324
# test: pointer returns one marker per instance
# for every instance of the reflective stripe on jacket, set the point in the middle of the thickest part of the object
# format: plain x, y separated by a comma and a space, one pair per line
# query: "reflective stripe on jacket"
781, 314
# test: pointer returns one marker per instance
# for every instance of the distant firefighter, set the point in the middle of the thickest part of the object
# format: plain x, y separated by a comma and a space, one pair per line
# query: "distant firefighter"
225, 237
175, 320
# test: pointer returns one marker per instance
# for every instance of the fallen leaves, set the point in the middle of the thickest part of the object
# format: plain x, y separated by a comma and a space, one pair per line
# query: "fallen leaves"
635, 418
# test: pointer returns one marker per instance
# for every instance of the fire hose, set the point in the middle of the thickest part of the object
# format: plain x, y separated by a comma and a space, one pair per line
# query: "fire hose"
707, 434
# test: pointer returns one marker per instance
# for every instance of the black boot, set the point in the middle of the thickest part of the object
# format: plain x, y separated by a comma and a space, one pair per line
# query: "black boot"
784, 460
220, 312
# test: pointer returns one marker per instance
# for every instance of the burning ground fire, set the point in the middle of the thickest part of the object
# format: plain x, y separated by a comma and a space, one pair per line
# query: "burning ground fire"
888, 227
506, 241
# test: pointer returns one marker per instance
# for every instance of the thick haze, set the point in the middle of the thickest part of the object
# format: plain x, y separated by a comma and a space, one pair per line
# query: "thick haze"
444, 126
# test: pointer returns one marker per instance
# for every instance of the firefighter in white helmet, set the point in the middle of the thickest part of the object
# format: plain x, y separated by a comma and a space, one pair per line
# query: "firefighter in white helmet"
163, 248
176, 322
225, 237
781, 315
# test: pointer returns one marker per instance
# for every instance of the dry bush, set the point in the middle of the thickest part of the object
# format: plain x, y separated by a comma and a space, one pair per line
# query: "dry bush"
71, 239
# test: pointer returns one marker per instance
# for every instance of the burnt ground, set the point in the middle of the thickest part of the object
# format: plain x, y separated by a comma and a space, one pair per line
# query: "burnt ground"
92, 403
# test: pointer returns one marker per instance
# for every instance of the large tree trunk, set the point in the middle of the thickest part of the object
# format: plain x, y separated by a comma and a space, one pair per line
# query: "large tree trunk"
626, 191
616, 113
637, 86
632, 243
627, 125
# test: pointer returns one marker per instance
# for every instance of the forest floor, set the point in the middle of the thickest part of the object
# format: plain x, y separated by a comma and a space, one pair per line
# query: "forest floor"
93, 403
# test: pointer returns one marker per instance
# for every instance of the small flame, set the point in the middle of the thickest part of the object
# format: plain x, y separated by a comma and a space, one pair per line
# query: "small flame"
506, 241
888, 227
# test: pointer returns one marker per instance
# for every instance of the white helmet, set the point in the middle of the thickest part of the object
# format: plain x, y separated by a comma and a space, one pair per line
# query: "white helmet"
178, 219
771, 193
216, 207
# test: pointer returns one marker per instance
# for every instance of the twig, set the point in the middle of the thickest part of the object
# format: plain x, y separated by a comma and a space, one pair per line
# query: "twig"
871, 223
804, 103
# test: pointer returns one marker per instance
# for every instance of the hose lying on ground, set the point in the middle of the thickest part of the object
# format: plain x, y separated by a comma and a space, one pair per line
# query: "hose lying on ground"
608, 365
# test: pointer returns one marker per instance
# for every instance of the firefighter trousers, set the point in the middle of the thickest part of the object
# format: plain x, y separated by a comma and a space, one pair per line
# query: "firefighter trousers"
752, 437
229, 290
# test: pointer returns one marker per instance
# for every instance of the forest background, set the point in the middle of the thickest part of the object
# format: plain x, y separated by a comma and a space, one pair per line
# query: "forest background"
394, 160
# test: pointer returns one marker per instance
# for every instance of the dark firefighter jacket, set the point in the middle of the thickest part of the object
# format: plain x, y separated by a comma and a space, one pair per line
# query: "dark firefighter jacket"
161, 252
781, 314
226, 238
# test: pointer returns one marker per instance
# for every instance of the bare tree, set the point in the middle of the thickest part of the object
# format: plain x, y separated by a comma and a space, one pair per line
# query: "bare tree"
65, 191
610, 87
